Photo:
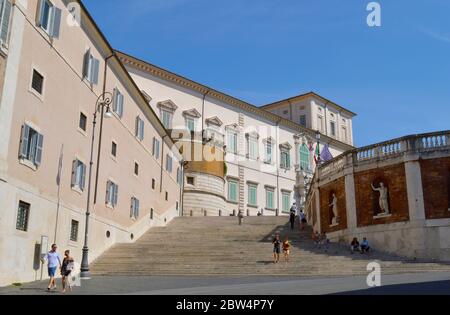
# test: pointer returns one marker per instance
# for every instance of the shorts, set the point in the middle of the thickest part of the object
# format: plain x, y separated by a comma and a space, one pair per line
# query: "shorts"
304, 221
276, 250
51, 272
66, 273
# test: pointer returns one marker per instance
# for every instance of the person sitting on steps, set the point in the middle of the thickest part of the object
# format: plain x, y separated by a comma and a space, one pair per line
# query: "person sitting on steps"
354, 245
365, 248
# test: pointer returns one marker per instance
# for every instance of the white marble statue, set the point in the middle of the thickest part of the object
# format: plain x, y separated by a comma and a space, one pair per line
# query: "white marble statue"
334, 206
384, 202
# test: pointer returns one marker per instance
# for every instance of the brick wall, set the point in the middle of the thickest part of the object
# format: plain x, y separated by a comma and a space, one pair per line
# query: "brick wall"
367, 205
326, 212
436, 187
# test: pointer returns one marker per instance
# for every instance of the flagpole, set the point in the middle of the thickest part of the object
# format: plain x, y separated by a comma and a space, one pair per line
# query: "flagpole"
58, 182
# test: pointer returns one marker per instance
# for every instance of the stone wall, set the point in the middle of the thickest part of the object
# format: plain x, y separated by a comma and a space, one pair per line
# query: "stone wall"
367, 200
326, 213
436, 187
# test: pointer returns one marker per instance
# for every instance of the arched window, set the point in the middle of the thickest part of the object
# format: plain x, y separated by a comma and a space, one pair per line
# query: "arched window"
304, 158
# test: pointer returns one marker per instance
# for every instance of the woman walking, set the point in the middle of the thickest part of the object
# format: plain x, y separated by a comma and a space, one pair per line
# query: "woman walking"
66, 270
276, 249
286, 249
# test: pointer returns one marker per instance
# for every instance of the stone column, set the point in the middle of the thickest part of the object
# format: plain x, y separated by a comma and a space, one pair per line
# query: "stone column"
415, 190
350, 199
317, 196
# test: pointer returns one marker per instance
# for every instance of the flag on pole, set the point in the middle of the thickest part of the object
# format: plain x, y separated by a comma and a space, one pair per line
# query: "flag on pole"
60, 165
317, 154
326, 155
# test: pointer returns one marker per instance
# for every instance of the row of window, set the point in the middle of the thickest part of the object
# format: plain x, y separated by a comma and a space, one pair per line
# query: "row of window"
333, 129
252, 196
23, 217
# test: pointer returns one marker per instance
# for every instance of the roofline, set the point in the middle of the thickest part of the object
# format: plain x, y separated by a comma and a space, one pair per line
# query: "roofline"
127, 74
301, 96
169, 76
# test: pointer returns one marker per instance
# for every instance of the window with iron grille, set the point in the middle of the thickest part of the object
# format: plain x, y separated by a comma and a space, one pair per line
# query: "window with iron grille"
83, 122
23, 215
37, 82
74, 231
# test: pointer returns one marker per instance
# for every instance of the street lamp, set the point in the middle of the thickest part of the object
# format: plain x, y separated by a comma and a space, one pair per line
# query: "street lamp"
318, 147
103, 101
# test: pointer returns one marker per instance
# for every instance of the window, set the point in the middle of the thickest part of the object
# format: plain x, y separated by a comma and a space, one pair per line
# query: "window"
252, 147
112, 192
155, 148
167, 196
177, 205
151, 213
74, 231
166, 119
286, 202
82, 124
269, 152
285, 159
303, 120
270, 193
139, 128
153, 183
333, 128
37, 82
78, 175
91, 67
304, 157
134, 212
344, 134
49, 18
233, 191
320, 123
253, 195
190, 180
136, 169
190, 124
169, 162
5, 17
117, 105
31, 144
23, 215
114, 149
232, 142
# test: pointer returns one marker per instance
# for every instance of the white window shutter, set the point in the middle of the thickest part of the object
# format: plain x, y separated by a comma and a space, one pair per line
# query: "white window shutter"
115, 100
141, 129
132, 207
120, 112
39, 145
95, 70
73, 180
137, 208
116, 193
5, 19
86, 64
24, 140
39, 13
83, 176
108, 192
55, 22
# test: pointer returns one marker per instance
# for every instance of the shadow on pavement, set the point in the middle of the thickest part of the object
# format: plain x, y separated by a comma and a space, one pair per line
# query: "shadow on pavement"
425, 288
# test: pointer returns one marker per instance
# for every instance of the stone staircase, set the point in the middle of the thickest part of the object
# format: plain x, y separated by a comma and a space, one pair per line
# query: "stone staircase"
219, 246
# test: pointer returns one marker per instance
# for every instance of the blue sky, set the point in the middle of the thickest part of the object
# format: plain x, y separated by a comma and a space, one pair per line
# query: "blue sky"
395, 77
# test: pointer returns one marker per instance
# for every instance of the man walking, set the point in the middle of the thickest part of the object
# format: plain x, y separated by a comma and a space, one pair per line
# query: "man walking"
292, 220
53, 262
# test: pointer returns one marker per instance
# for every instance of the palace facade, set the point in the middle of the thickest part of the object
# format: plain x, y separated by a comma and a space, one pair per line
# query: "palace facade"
151, 147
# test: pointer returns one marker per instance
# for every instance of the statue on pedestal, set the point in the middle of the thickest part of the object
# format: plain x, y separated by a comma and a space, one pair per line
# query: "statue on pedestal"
383, 201
334, 208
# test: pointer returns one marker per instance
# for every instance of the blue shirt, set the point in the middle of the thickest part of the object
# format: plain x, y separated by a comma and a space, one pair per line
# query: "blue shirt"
53, 259
365, 243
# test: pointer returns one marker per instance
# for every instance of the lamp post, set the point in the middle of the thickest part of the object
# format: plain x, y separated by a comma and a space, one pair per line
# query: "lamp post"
318, 147
103, 101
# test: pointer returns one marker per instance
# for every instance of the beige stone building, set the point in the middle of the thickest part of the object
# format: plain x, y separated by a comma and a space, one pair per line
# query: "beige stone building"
55, 65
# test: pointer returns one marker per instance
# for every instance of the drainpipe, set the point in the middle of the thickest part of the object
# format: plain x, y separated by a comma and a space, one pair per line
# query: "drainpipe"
101, 128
